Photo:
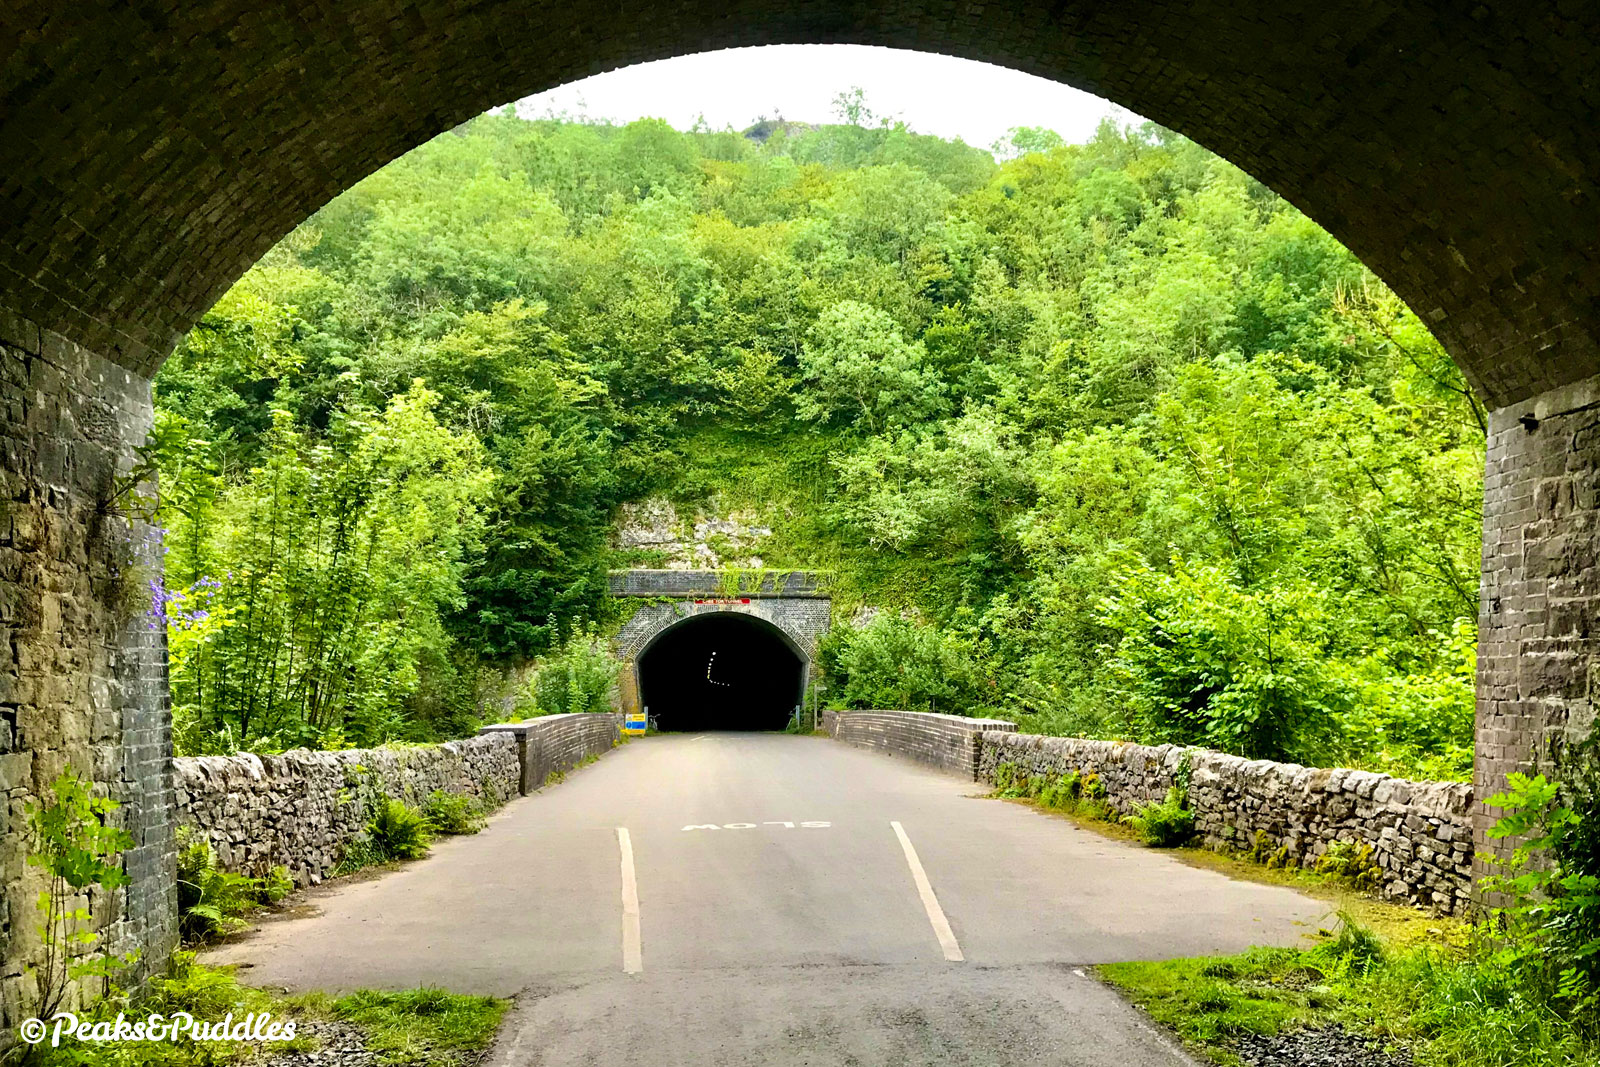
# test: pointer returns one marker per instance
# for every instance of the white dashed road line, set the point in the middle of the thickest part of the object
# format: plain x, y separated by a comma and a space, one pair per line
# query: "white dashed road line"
632, 946
941, 925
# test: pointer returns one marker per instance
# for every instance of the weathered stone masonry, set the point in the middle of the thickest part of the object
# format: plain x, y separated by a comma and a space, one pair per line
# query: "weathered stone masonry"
1539, 613
1420, 832
302, 809
82, 664
796, 603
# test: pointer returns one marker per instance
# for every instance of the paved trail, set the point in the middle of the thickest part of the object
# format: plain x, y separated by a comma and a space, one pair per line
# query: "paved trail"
789, 901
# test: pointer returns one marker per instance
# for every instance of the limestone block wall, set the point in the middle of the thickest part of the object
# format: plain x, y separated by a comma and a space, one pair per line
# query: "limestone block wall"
301, 809
1420, 832
949, 742
82, 660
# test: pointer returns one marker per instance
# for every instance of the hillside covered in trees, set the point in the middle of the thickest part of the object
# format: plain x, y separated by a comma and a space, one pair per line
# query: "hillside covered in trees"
1119, 442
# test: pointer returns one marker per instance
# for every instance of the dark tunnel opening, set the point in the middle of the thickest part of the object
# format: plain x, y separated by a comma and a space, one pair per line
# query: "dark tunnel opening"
723, 671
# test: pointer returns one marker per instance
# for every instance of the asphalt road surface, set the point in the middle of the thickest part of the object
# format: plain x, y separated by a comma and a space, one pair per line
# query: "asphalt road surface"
743, 899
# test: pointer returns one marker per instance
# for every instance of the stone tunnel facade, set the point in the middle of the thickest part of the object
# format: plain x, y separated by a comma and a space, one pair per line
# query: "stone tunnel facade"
150, 153
795, 603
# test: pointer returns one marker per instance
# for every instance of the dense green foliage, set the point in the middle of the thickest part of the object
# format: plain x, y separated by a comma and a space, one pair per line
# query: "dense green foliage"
453, 813
1120, 442
1552, 886
580, 676
399, 831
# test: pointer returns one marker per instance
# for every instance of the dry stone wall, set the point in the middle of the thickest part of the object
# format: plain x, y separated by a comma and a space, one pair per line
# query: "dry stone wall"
1420, 833
301, 809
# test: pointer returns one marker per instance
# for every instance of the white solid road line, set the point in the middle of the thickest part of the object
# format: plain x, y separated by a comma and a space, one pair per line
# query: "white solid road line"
941, 925
632, 950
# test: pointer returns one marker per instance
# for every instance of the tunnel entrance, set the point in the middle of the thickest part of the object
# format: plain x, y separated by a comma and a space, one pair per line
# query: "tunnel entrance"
722, 671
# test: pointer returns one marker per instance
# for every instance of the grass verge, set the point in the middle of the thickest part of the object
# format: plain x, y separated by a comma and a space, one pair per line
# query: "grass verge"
417, 1028
1446, 1004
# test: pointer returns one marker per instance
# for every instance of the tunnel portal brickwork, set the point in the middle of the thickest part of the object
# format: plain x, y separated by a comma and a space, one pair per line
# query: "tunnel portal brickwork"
796, 603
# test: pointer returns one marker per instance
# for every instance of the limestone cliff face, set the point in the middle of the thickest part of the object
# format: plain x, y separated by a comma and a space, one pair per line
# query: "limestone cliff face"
658, 534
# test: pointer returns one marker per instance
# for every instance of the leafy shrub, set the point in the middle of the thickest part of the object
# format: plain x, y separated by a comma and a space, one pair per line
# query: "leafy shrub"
399, 831
1093, 787
896, 663
212, 902
581, 677
1551, 920
1165, 825
275, 885
1062, 792
70, 840
453, 813
1004, 775
1204, 660
1353, 862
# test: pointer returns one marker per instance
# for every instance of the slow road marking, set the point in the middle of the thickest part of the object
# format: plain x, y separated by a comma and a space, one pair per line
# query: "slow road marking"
811, 825
930, 903
632, 946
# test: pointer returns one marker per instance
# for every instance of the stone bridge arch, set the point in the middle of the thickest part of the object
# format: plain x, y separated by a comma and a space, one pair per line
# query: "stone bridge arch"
794, 605
150, 153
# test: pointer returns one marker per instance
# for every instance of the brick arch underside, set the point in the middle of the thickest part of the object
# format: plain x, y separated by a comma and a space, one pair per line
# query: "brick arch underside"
150, 153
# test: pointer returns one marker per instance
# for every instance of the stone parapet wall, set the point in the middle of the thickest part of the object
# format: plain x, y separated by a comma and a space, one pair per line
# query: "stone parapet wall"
302, 809
949, 742
552, 744
689, 584
1420, 833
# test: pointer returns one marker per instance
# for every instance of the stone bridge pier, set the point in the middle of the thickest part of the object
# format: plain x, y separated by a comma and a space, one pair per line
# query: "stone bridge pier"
1539, 614
149, 153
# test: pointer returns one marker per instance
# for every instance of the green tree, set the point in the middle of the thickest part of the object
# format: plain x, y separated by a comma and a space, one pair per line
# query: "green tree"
859, 370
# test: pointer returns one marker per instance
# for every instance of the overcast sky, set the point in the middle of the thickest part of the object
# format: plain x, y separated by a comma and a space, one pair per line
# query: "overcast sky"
934, 94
